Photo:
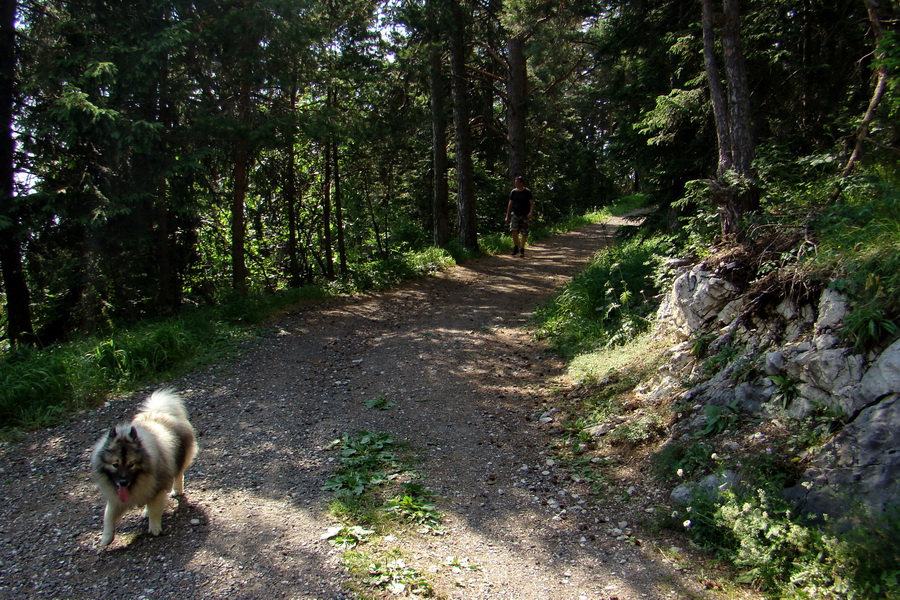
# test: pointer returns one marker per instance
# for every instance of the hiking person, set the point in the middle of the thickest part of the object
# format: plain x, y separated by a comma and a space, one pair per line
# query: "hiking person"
518, 214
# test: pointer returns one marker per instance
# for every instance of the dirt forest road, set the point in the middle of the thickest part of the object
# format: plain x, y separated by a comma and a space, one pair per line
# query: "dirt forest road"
468, 382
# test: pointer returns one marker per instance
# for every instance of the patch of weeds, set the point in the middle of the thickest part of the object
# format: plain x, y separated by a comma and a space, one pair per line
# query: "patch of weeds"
776, 551
589, 470
576, 440
369, 498
458, 565
366, 460
700, 344
348, 536
867, 326
607, 304
367, 450
720, 418
718, 361
819, 427
632, 360
353, 482
785, 389
388, 572
379, 402
693, 457
416, 505
638, 430
745, 367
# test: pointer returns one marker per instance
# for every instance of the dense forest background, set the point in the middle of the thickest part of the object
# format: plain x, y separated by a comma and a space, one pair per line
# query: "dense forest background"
159, 154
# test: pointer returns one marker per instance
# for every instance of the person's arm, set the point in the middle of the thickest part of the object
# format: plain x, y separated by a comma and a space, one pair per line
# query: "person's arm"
508, 208
530, 205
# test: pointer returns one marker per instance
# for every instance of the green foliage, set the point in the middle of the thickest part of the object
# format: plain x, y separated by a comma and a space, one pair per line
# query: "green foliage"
350, 536
774, 549
701, 225
720, 418
700, 344
859, 251
722, 358
379, 402
819, 427
608, 303
382, 274
416, 506
785, 389
690, 457
365, 502
867, 326
672, 114
43, 386
637, 430
889, 58
390, 573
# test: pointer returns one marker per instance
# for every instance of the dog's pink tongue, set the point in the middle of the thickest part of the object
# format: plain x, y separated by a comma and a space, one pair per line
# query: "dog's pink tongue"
123, 494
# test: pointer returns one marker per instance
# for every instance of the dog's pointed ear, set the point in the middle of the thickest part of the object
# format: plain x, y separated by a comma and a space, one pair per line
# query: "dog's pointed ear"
112, 432
131, 435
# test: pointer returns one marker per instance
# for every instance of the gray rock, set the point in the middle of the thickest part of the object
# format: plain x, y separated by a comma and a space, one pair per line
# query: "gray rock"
710, 486
774, 363
860, 468
787, 309
883, 376
833, 310
696, 299
751, 398
599, 430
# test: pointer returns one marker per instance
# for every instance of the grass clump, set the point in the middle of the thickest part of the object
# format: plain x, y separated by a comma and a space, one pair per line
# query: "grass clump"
41, 387
399, 267
609, 303
859, 253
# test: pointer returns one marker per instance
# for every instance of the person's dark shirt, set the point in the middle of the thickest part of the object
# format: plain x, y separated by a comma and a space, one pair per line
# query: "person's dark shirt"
521, 201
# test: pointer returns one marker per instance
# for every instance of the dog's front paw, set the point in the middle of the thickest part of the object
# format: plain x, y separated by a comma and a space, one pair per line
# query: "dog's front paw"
106, 539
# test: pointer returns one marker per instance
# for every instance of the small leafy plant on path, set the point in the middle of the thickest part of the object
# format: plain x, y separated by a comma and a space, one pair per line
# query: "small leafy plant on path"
374, 494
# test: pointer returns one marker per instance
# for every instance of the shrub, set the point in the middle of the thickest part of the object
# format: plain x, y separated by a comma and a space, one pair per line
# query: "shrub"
607, 304
778, 551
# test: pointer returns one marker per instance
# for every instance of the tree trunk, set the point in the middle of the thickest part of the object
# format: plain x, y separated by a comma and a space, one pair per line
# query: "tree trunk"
375, 227
742, 150
19, 328
862, 131
290, 198
238, 199
326, 214
468, 235
734, 191
339, 212
441, 199
716, 92
516, 111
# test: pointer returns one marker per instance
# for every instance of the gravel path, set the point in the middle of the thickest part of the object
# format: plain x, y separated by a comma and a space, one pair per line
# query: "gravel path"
468, 383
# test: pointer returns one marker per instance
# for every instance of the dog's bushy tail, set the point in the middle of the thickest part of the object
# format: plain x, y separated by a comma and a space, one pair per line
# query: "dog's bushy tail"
166, 401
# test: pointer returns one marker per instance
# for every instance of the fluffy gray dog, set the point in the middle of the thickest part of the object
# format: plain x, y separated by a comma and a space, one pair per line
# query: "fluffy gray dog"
139, 463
